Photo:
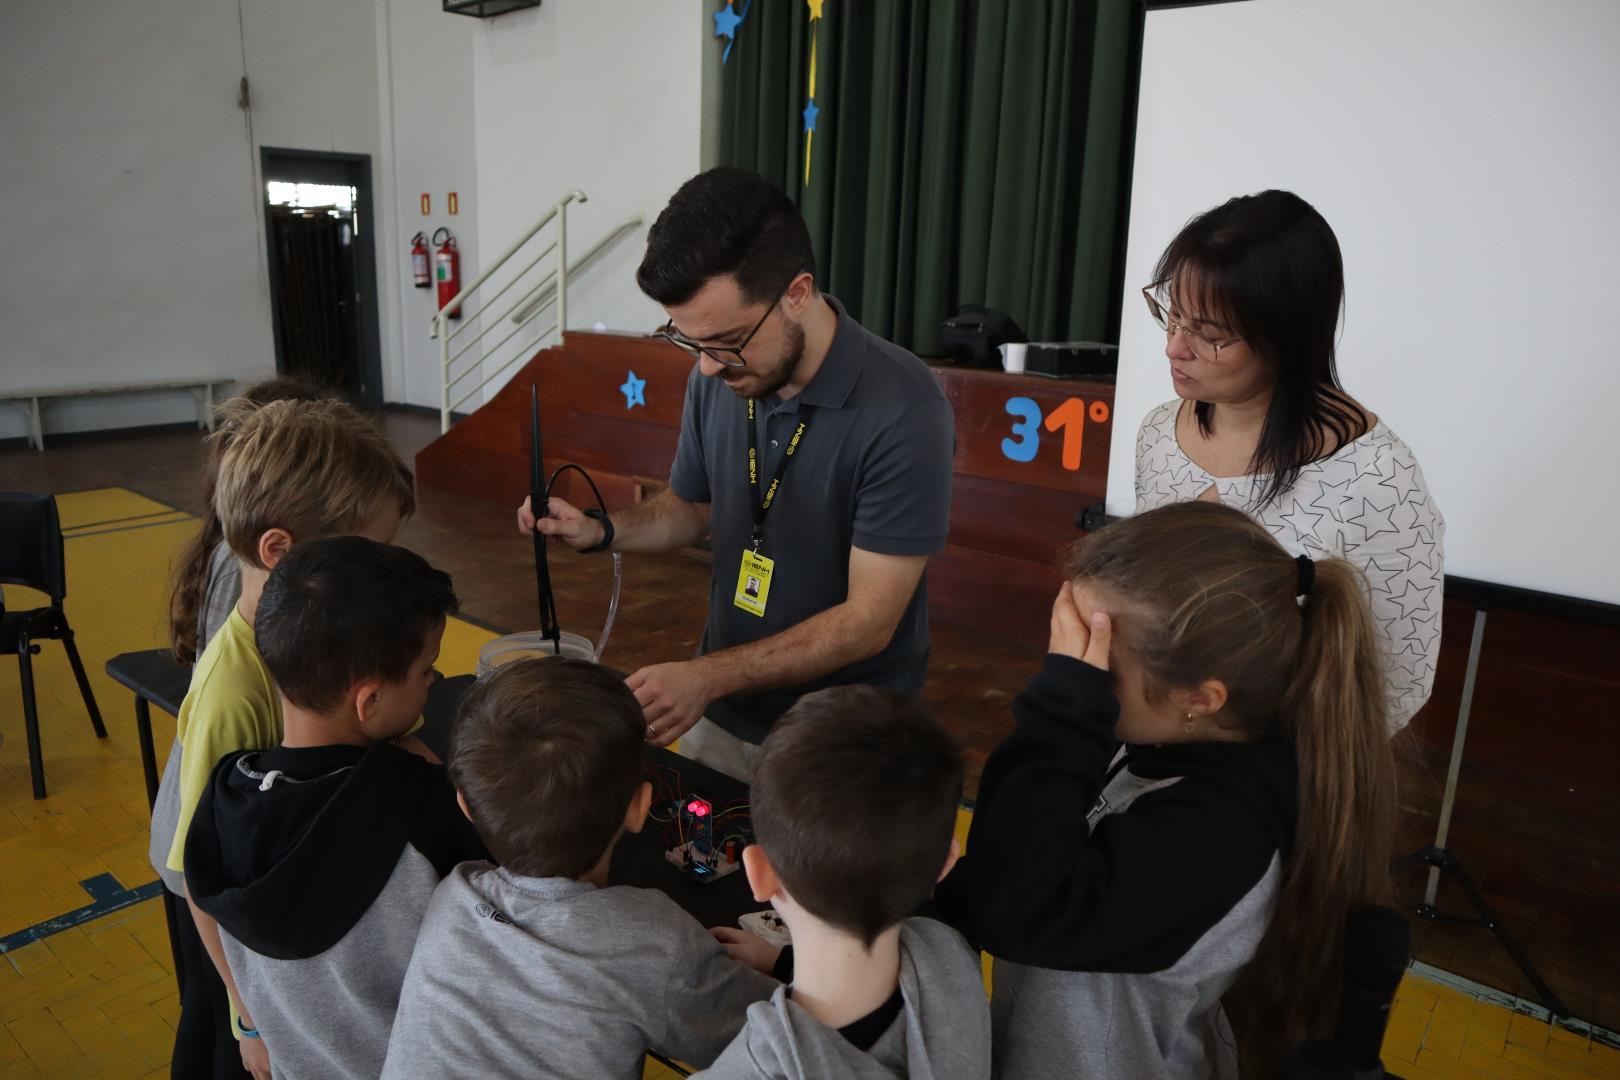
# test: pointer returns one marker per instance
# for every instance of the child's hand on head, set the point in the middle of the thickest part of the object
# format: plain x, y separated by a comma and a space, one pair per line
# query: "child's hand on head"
1072, 637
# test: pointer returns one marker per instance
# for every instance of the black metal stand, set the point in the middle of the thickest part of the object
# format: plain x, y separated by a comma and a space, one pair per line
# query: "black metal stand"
1441, 861
1445, 863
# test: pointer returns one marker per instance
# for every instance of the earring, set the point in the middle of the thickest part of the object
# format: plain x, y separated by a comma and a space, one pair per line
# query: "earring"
1190, 725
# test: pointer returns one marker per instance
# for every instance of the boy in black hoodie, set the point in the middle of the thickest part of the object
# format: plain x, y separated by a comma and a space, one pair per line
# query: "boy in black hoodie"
318, 857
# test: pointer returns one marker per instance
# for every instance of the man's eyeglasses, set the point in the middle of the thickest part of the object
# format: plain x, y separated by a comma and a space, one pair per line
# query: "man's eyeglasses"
1203, 347
729, 355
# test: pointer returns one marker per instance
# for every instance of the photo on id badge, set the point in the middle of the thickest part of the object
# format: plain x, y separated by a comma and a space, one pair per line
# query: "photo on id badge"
754, 583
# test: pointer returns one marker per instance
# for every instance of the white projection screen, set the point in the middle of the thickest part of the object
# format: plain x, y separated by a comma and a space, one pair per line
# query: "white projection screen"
1467, 154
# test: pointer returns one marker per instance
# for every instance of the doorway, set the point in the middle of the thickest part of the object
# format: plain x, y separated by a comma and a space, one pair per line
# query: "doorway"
320, 231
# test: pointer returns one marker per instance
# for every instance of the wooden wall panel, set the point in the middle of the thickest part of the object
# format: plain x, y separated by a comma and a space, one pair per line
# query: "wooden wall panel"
1003, 599
1010, 518
984, 423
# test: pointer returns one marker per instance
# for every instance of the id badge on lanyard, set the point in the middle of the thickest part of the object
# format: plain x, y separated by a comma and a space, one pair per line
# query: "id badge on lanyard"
755, 573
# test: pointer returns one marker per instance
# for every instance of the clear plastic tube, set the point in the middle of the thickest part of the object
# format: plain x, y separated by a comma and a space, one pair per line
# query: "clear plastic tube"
613, 606
618, 562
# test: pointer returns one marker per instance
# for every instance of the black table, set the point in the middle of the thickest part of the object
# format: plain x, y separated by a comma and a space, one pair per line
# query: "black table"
639, 859
157, 679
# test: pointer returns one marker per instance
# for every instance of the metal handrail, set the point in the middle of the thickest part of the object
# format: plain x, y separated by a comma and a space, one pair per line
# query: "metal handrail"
492, 376
541, 295
493, 323
487, 304
441, 319
518, 329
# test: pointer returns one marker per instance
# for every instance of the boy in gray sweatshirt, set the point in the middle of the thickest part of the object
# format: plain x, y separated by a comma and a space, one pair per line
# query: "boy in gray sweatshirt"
539, 968
854, 806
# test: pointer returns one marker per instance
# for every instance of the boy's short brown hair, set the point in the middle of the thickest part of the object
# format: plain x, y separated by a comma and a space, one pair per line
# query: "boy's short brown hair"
548, 753
854, 801
342, 609
313, 468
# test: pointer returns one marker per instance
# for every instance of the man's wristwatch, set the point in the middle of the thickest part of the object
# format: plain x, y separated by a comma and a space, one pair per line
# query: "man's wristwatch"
607, 532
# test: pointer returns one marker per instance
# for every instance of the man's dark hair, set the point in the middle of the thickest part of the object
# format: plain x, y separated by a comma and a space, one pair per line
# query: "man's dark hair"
342, 609
725, 221
854, 801
548, 753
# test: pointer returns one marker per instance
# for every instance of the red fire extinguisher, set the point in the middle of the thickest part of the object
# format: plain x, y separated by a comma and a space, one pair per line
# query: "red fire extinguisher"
419, 261
446, 270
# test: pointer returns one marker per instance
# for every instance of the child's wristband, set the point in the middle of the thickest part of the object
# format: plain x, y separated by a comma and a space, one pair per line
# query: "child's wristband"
244, 1031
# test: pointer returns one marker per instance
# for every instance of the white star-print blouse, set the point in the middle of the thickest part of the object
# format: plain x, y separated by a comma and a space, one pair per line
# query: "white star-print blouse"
1366, 503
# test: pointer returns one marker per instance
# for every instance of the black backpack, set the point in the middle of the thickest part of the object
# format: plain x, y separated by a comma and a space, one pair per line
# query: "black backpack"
974, 335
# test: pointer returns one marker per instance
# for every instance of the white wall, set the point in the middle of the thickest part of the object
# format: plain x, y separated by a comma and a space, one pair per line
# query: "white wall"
129, 177
1467, 154
128, 206
313, 66
605, 97
426, 71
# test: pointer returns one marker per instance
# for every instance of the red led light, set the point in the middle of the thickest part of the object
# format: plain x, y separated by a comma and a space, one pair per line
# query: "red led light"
700, 810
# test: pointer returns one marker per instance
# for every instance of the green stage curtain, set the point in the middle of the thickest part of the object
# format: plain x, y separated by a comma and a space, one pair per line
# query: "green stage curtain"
967, 151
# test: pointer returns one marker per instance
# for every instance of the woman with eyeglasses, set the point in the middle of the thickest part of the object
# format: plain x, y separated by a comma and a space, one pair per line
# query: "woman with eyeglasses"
1249, 294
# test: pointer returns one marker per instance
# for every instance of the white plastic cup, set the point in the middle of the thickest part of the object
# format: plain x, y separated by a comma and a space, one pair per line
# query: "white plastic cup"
1012, 356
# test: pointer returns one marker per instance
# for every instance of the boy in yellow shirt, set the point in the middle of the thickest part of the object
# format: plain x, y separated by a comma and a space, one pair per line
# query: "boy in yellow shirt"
294, 470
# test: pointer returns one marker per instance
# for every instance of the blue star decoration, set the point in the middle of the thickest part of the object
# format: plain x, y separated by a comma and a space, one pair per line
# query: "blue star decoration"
633, 391
810, 114
726, 22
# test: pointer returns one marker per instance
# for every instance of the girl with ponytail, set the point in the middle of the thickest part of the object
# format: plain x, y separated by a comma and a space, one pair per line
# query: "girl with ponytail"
1198, 792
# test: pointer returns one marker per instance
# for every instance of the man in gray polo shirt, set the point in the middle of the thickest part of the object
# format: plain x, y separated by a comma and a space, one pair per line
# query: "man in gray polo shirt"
815, 457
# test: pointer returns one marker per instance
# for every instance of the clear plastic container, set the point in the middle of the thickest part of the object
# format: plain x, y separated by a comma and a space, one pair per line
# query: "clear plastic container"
528, 645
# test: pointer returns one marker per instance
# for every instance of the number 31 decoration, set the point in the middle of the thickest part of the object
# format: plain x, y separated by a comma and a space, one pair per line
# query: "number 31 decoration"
1069, 417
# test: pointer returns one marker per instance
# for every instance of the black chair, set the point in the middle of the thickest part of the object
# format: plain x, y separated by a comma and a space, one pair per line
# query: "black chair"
31, 556
157, 679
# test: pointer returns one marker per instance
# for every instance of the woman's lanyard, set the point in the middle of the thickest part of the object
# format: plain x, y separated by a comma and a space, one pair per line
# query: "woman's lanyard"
762, 505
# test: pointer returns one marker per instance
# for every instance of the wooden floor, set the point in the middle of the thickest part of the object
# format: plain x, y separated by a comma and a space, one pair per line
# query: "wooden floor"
664, 598
1559, 891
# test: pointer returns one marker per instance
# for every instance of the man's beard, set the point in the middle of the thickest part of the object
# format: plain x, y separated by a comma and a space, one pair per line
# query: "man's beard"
770, 384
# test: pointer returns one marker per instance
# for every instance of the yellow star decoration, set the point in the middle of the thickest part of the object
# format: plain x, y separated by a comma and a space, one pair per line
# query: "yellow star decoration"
810, 109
